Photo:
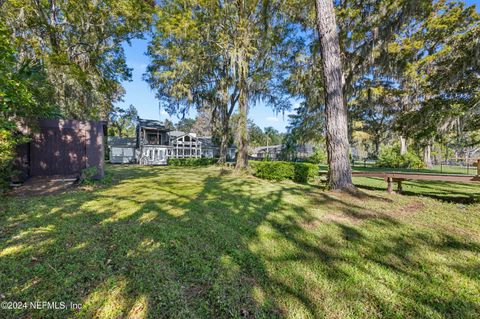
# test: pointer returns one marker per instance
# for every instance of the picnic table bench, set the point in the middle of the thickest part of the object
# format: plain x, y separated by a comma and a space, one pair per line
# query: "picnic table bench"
399, 177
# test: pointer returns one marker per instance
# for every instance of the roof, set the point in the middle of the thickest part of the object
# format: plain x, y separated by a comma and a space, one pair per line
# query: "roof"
206, 141
121, 141
152, 124
270, 148
176, 133
305, 148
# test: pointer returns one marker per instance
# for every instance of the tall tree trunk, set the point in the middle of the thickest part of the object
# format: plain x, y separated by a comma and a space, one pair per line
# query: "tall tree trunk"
242, 133
224, 139
427, 156
224, 125
222, 159
403, 145
339, 173
376, 144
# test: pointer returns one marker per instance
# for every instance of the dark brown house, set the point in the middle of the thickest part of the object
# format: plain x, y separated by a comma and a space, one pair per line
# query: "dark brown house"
62, 148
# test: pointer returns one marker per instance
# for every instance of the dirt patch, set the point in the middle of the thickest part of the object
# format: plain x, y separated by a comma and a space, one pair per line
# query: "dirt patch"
338, 218
356, 195
225, 171
40, 186
349, 216
409, 209
354, 216
196, 290
414, 207
311, 224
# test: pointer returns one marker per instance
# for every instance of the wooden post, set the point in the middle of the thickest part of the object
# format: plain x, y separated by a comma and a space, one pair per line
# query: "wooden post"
389, 185
478, 167
399, 186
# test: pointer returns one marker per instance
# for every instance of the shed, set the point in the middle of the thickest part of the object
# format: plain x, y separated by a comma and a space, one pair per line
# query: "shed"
62, 148
122, 149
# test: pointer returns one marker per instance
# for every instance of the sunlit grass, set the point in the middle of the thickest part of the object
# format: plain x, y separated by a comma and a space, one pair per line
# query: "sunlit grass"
165, 242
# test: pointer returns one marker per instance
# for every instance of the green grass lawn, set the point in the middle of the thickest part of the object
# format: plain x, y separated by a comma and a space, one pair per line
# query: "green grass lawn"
166, 242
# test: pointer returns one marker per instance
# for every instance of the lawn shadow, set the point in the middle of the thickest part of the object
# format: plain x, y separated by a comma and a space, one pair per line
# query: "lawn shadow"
169, 242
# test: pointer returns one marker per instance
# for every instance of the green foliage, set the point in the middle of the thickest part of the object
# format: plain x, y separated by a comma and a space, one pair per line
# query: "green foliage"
185, 125
12, 95
7, 148
390, 157
23, 98
440, 70
192, 161
278, 170
88, 175
318, 157
78, 44
272, 170
122, 122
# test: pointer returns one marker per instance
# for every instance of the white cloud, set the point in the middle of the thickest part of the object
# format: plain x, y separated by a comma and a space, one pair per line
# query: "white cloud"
272, 119
163, 112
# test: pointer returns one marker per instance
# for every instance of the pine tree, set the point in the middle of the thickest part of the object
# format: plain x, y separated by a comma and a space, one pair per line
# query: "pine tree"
339, 172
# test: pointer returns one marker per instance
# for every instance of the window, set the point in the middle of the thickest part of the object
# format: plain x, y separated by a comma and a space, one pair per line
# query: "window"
128, 152
152, 138
116, 151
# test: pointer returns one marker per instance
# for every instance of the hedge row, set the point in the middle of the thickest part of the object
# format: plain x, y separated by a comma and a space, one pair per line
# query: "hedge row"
192, 161
298, 172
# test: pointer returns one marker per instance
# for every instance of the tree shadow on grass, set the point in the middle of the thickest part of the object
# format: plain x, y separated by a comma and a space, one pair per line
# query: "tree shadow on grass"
175, 243
461, 193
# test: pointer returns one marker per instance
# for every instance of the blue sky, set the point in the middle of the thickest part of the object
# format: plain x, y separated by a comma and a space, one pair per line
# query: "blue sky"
139, 93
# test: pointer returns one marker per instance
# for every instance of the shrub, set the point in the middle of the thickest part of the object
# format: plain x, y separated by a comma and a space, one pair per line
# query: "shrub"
298, 172
318, 157
272, 170
304, 171
192, 161
87, 176
389, 156
8, 143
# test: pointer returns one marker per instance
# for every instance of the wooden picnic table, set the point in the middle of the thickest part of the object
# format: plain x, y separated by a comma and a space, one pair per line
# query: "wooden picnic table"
399, 177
